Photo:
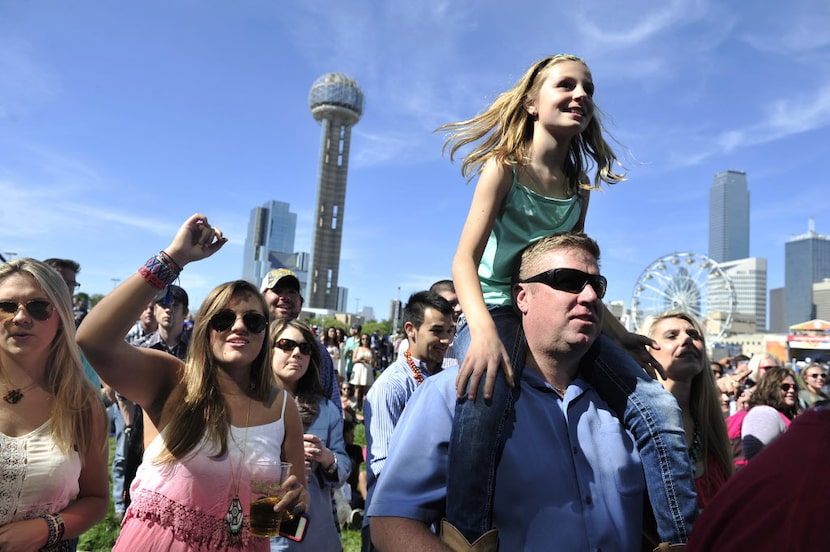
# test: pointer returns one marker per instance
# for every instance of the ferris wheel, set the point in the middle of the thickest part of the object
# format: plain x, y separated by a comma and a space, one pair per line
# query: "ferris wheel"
687, 282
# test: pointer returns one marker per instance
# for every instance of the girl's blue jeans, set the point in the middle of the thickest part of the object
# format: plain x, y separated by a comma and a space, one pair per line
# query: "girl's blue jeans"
647, 410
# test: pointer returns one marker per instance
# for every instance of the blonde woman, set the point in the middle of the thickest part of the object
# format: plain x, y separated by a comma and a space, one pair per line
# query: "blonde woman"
814, 377
689, 379
53, 428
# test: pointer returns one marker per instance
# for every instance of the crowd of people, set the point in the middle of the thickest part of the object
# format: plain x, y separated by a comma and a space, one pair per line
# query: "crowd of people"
513, 412
339, 482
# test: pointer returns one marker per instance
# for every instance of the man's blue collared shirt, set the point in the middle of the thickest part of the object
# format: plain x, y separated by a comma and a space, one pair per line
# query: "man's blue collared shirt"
570, 477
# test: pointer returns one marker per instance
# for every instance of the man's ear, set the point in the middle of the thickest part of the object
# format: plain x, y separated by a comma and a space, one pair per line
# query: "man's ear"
410, 330
520, 296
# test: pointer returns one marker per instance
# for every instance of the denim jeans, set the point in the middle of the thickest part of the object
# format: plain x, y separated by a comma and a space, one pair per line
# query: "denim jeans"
647, 410
119, 458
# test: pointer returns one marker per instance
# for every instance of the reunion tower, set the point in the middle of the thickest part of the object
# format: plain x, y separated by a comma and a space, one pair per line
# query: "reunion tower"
336, 102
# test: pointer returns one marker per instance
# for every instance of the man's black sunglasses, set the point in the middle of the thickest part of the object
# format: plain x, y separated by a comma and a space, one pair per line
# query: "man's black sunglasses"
38, 309
224, 319
570, 280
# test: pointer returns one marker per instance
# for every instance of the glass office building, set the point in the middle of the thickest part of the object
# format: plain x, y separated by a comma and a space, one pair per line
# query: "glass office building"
729, 217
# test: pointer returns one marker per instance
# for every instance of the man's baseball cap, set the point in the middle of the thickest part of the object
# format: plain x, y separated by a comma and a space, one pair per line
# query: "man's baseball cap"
176, 294
281, 277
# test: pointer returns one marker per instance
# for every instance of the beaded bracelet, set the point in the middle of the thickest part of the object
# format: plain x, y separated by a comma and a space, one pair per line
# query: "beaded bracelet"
56, 528
61, 526
158, 272
168, 259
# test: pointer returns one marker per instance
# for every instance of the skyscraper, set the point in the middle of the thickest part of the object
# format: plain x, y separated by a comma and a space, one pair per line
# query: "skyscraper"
749, 280
806, 261
336, 102
729, 217
270, 243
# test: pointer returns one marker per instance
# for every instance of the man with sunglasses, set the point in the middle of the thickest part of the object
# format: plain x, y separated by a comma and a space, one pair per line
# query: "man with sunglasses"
428, 324
281, 289
568, 475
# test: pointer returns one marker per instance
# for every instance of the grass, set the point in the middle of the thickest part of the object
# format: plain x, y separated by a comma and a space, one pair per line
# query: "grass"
101, 537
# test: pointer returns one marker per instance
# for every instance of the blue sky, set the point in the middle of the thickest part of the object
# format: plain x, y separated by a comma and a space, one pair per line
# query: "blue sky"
120, 119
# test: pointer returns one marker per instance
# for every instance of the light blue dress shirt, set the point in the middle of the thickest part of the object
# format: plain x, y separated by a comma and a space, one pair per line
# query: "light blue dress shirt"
570, 477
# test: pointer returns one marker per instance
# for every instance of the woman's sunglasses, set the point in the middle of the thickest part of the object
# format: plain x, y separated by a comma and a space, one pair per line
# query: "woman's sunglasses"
288, 345
787, 386
38, 309
224, 319
570, 280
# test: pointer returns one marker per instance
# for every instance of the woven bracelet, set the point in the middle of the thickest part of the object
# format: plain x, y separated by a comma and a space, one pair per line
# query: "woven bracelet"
157, 272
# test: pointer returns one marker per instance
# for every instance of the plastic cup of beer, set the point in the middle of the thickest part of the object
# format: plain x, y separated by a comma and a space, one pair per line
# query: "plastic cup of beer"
267, 477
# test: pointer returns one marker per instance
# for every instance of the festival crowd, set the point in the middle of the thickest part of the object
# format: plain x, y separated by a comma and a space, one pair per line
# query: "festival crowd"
513, 411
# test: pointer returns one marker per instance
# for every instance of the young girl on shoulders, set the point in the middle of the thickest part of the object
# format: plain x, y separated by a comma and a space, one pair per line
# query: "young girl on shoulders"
533, 149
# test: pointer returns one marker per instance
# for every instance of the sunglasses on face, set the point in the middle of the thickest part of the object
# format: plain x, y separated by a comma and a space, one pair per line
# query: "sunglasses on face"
787, 386
224, 319
570, 280
288, 345
816, 376
38, 309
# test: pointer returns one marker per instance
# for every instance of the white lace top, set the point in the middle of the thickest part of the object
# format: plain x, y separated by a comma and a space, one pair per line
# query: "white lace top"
36, 477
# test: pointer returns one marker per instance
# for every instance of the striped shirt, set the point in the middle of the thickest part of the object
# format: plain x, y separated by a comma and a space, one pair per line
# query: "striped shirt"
382, 409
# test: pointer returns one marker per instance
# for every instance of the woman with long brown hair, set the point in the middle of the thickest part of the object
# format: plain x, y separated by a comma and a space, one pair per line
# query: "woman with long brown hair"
296, 364
207, 418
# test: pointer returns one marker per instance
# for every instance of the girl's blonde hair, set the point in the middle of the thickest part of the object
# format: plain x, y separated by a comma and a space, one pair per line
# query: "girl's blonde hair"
197, 406
77, 403
705, 396
505, 133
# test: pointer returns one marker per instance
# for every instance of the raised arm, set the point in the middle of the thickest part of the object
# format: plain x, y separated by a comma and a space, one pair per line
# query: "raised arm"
144, 376
486, 352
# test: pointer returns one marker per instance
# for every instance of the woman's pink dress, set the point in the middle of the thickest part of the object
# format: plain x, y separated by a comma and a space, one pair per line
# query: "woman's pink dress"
181, 507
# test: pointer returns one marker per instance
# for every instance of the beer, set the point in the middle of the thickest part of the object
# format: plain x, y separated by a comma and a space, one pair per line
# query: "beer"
265, 522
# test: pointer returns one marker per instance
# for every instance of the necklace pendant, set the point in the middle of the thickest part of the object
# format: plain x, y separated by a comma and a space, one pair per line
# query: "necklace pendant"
234, 520
13, 396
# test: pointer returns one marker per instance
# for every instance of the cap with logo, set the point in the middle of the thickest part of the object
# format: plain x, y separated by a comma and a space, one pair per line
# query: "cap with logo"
281, 277
171, 293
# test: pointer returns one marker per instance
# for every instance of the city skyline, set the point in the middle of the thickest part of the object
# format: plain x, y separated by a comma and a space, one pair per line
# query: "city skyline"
116, 125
